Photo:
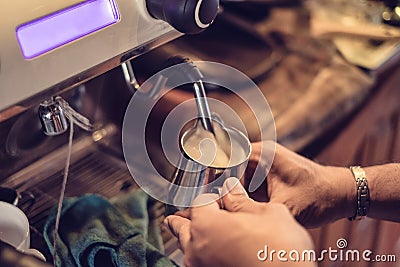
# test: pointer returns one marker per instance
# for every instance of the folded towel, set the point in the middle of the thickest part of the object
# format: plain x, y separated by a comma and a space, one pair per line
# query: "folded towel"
94, 231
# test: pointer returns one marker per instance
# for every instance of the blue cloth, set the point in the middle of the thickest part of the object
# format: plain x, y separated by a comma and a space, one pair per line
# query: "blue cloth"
94, 231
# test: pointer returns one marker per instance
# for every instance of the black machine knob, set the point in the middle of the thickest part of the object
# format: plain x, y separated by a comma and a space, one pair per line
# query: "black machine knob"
187, 16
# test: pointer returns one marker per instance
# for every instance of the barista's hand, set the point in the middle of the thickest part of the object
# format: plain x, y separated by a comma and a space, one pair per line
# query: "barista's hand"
238, 235
314, 194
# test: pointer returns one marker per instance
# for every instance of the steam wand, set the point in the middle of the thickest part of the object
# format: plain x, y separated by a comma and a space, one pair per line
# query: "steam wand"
190, 70
202, 106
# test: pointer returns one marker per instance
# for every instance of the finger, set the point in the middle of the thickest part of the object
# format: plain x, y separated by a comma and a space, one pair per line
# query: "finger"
259, 164
204, 204
183, 213
252, 164
232, 185
180, 228
235, 197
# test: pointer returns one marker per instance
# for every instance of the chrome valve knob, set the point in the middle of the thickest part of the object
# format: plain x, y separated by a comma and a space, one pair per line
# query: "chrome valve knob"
187, 16
52, 118
53, 115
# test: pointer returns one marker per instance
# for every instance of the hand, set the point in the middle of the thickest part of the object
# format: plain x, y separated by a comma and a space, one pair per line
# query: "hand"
314, 194
238, 235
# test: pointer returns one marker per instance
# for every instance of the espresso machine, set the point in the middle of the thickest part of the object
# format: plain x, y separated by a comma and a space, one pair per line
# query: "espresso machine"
72, 59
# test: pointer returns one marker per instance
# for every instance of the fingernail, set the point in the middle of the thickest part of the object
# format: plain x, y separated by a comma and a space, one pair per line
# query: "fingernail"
234, 186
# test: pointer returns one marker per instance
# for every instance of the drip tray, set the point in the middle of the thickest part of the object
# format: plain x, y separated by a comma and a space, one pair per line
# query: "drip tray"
91, 171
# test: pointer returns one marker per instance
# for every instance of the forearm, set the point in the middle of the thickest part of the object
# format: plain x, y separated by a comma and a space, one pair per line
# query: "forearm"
384, 187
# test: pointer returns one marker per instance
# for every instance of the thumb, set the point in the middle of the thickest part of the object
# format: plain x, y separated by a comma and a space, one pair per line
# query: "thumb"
235, 197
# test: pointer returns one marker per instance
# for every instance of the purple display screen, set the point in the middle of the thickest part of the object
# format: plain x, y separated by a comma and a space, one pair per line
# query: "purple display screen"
54, 30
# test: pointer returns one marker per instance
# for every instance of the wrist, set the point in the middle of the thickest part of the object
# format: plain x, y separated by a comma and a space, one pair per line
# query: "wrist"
383, 183
344, 193
370, 176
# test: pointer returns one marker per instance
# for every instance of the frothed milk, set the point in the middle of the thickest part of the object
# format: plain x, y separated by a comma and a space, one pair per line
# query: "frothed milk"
203, 146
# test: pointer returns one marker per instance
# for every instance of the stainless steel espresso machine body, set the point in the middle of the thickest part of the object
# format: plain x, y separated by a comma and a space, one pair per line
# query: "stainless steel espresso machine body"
50, 47
70, 53
58, 44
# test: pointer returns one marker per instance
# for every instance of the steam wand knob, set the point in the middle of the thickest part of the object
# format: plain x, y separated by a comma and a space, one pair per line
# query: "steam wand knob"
187, 16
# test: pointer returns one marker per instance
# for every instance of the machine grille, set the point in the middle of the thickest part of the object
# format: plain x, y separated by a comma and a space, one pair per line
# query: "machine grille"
91, 171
